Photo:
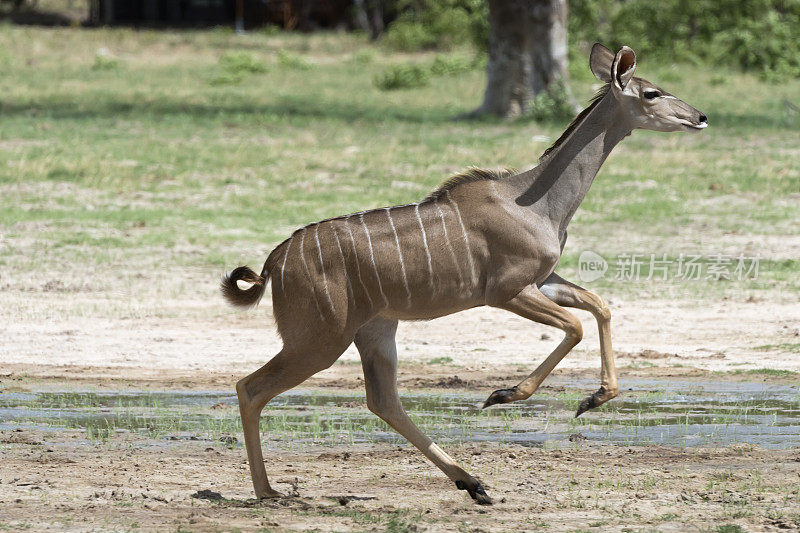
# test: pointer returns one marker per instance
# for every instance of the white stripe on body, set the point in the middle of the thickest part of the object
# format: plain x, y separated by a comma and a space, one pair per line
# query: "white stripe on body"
464, 232
450, 245
372, 257
308, 272
344, 263
285, 255
399, 254
358, 267
427, 250
322, 267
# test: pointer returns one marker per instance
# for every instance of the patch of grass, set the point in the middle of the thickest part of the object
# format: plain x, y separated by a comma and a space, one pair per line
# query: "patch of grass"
364, 56
103, 60
766, 372
445, 360
313, 418
241, 63
451, 65
402, 77
293, 61
730, 528
783, 346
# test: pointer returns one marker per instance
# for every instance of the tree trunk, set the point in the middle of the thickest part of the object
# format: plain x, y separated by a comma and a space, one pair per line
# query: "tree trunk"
369, 17
527, 54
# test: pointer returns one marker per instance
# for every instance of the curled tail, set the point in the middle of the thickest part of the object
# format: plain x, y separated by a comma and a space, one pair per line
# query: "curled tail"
244, 297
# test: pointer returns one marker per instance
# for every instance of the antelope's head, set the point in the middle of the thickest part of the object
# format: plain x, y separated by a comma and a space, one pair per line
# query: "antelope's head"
648, 106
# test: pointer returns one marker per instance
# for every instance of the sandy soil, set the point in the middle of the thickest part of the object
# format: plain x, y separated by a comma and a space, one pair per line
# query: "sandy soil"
61, 483
64, 329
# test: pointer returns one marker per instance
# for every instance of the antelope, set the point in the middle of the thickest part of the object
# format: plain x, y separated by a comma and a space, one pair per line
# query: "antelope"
484, 237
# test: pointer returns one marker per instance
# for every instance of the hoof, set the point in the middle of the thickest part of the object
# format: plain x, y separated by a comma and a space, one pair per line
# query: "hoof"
501, 396
595, 400
269, 495
477, 494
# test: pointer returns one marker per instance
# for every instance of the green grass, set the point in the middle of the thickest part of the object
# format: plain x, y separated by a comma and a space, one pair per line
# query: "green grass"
440, 360
155, 159
783, 346
298, 421
766, 372
730, 528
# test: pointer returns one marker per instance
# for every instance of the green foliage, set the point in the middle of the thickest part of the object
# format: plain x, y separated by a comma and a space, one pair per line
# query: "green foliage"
241, 63
408, 36
292, 61
730, 528
235, 66
758, 35
364, 56
402, 77
103, 60
226, 78
414, 75
438, 24
451, 65
551, 105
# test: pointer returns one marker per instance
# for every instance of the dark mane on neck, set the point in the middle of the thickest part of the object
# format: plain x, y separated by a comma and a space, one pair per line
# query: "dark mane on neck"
577, 120
470, 175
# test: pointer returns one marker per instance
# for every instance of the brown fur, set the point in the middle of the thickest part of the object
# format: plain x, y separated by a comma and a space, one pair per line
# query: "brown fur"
468, 176
243, 297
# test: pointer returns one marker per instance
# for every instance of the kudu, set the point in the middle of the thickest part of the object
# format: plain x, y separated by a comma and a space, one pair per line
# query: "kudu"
482, 238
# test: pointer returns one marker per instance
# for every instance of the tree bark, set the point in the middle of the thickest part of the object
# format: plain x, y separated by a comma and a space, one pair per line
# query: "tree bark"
527, 54
369, 17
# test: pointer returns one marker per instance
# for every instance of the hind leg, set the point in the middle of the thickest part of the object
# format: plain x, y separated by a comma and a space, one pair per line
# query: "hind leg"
375, 343
284, 371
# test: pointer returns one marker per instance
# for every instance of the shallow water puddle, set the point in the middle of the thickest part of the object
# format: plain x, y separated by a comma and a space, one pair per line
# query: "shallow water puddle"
648, 412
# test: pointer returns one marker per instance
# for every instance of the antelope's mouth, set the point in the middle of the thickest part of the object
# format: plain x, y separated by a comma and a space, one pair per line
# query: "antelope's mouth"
694, 126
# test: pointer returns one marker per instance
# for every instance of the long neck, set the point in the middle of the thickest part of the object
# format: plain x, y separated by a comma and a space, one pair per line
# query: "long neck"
559, 183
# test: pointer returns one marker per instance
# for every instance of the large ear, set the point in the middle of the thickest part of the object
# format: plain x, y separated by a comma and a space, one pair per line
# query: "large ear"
600, 61
623, 67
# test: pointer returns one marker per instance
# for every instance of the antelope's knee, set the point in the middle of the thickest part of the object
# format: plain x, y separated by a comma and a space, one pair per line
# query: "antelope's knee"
382, 405
573, 331
241, 390
601, 310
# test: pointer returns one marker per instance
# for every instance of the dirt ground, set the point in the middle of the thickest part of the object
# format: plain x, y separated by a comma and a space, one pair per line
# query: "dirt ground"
199, 334
59, 481
65, 484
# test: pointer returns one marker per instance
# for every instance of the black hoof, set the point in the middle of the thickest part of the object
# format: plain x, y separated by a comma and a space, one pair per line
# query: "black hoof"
477, 494
501, 396
591, 402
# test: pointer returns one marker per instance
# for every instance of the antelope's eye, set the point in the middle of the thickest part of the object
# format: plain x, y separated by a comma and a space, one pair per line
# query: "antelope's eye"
651, 94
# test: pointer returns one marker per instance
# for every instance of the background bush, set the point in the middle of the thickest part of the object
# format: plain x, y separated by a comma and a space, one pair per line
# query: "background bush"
411, 75
439, 24
402, 77
757, 35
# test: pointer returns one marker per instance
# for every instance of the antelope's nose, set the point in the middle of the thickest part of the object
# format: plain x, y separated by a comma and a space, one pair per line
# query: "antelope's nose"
703, 119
